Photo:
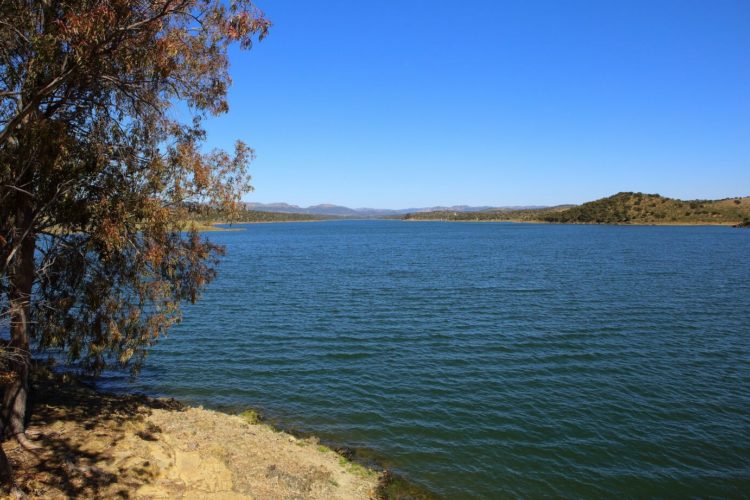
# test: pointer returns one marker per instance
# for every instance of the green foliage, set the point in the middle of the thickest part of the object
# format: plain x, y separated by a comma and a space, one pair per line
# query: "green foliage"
357, 469
251, 417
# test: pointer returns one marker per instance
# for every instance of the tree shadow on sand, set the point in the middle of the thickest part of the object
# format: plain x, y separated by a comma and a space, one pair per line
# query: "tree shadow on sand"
76, 430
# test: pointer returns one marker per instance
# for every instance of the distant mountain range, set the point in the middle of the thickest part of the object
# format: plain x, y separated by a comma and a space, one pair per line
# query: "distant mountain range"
340, 211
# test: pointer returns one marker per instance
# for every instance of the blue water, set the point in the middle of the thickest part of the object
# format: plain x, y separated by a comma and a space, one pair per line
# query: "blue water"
487, 360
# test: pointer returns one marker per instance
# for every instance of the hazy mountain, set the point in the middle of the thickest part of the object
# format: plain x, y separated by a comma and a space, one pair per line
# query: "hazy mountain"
328, 209
511, 208
340, 211
323, 209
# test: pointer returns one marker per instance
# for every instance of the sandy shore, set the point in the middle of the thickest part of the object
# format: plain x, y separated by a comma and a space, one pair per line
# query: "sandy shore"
94, 445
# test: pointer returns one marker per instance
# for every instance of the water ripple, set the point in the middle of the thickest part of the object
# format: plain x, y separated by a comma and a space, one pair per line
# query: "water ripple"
487, 360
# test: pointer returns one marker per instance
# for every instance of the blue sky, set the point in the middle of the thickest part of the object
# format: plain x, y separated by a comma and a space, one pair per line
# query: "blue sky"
410, 103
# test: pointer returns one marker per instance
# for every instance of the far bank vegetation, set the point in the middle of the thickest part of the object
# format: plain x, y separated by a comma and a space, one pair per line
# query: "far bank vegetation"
622, 208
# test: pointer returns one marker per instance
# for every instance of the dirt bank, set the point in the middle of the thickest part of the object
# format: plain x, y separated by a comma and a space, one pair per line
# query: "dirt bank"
105, 446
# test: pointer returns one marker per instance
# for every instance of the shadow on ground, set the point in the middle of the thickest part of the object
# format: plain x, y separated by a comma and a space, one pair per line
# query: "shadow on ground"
97, 445
76, 430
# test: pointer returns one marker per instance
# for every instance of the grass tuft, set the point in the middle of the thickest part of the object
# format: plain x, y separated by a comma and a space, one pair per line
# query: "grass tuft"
252, 417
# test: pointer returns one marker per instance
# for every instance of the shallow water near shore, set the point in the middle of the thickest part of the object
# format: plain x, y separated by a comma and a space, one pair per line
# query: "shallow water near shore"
485, 360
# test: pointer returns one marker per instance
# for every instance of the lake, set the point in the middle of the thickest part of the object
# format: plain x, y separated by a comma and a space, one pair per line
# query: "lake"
486, 360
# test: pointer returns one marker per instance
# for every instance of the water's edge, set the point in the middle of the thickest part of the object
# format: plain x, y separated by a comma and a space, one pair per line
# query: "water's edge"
390, 485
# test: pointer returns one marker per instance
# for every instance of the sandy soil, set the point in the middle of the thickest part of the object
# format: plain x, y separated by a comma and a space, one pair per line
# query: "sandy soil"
103, 446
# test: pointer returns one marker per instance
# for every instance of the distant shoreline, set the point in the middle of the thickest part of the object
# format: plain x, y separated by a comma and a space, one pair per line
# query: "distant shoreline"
267, 222
624, 208
212, 227
509, 221
217, 226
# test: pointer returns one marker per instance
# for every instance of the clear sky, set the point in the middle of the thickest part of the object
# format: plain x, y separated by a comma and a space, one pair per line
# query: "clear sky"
407, 103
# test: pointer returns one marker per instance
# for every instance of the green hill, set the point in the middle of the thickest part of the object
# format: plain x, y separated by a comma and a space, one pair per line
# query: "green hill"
622, 208
639, 208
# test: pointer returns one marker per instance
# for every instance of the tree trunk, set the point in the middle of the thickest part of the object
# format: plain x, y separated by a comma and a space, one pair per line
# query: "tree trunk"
20, 282
6, 472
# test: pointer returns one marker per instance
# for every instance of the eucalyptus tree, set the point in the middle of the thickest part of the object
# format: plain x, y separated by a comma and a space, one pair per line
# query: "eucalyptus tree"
96, 168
